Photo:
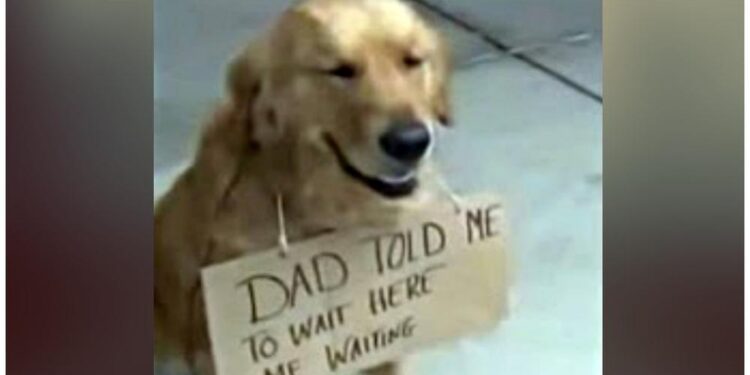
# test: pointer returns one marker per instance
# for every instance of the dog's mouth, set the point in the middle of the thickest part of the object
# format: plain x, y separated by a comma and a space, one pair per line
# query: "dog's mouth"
390, 187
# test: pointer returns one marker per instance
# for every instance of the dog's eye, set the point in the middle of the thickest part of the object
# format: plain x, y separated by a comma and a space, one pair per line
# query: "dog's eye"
346, 71
411, 61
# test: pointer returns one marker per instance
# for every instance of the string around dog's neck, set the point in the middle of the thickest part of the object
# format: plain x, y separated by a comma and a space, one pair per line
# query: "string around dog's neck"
283, 241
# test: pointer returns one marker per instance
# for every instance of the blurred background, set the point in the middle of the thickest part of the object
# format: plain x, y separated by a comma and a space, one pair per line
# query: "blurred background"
527, 94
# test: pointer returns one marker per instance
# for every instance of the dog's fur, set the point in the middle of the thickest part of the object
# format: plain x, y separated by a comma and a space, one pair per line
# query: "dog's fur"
266, 140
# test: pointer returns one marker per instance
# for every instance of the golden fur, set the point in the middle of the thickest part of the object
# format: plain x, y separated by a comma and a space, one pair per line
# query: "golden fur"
266, 140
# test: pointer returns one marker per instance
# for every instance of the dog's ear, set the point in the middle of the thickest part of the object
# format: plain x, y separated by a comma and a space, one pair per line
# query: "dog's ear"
441, 97
247, 83
243, 81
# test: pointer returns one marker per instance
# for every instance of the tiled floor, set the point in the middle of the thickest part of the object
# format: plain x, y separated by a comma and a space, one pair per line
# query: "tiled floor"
539, 143
521, 131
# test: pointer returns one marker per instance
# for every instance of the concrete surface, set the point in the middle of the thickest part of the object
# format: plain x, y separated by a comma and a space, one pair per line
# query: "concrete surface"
529, 128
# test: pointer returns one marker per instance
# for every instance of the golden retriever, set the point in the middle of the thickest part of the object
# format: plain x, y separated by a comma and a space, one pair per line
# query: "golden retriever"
330, 117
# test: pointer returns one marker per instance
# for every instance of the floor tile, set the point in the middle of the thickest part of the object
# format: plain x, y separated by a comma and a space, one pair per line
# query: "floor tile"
539, 144
565, 36
581, 61
522, 21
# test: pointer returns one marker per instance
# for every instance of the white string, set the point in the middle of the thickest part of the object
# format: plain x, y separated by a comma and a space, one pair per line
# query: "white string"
283, 242
455, 199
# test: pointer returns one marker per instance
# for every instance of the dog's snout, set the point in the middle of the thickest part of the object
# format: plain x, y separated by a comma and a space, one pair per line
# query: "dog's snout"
406, 141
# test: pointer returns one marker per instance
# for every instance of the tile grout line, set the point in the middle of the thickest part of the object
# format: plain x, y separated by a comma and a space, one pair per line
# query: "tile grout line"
505, 49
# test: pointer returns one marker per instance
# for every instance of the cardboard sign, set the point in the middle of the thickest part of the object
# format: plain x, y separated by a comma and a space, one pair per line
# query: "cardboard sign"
349, 301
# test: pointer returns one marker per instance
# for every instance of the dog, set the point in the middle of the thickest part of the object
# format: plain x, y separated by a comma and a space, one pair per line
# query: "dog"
328, 122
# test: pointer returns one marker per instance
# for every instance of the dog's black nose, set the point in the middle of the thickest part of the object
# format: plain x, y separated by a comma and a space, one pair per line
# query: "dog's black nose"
406, 141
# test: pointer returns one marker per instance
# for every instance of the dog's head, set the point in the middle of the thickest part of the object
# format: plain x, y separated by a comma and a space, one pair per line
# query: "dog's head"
352, 90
